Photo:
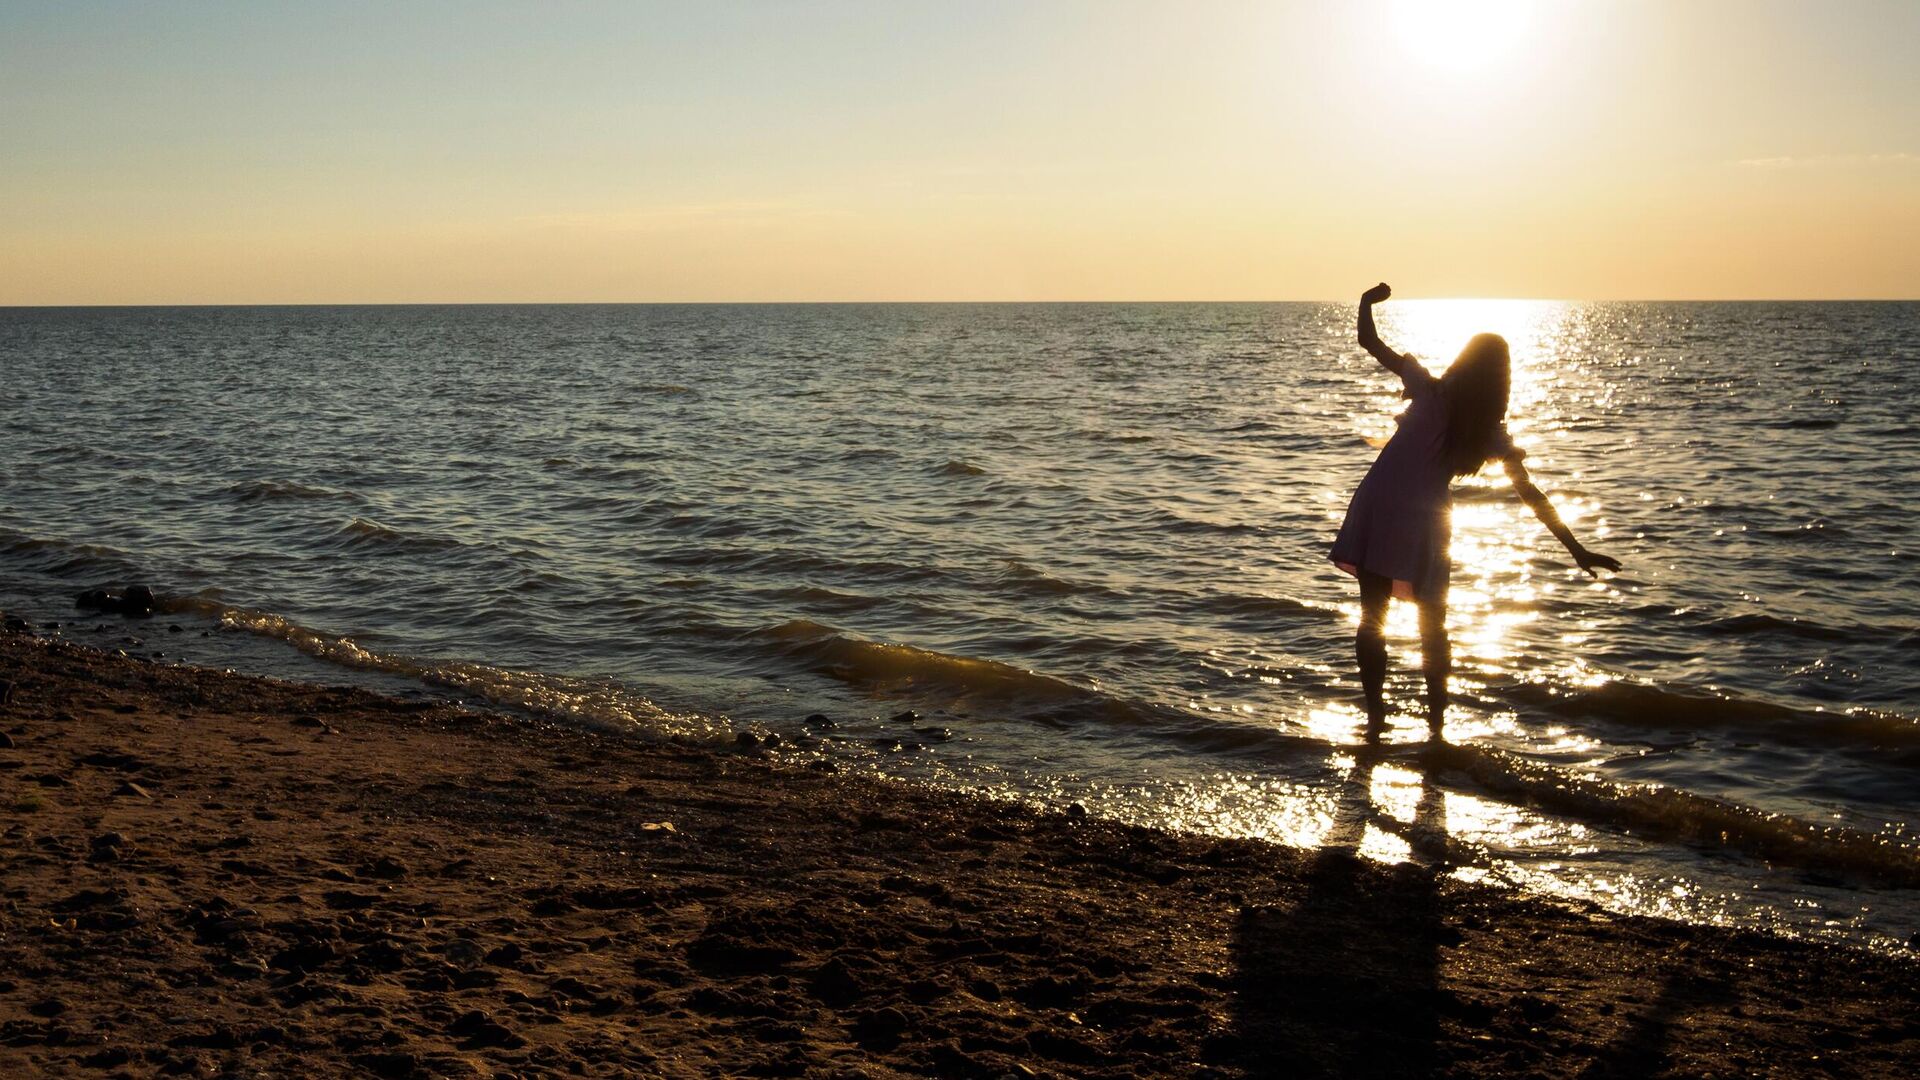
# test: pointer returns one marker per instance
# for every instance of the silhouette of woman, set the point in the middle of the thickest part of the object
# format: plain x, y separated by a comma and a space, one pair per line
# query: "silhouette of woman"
1397, 531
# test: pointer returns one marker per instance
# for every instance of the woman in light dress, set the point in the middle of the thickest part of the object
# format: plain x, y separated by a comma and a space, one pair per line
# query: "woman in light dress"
1397, 530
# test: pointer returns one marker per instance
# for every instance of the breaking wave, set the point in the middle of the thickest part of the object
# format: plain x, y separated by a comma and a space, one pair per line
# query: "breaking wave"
1669, 814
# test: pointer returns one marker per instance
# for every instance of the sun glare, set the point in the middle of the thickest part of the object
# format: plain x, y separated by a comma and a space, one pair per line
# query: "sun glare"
1460, 37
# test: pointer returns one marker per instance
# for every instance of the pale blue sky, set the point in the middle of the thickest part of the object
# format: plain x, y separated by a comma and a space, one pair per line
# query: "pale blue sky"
164, 152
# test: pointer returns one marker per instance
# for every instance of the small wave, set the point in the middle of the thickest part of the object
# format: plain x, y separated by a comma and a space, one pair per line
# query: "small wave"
1254, 606
958, 682
961, 468
1759, 623
77, 451
795, 562
1669, 814
66, 558
591, 703
1762, 623
1030, 579
1182, 523
1819, 530
1645, 706
821, 596
263, 490
365, 533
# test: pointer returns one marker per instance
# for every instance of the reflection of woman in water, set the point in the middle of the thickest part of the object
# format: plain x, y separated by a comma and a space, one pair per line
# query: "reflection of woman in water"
1396, 534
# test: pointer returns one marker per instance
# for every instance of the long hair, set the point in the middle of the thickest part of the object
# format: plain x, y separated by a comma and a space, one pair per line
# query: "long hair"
1475, 388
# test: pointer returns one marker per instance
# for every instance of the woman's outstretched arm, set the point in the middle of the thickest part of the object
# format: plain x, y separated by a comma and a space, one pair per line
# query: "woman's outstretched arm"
1537, 501
1370, 338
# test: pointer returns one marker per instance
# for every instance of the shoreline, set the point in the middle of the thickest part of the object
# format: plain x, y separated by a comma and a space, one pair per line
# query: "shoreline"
206, 871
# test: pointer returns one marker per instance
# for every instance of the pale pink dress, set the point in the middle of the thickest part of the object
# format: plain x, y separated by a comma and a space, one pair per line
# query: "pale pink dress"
1398, 525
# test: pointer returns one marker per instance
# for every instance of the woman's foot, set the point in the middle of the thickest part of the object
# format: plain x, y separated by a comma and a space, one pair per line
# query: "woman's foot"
1437, 713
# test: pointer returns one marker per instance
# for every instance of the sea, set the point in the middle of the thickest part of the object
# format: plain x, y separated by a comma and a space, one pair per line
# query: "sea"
1055, 553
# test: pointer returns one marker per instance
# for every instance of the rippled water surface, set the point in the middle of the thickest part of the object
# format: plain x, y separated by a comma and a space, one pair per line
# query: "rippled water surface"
1083, 544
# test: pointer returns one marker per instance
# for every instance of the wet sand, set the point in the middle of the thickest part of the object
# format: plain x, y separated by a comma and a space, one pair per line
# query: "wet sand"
204, 874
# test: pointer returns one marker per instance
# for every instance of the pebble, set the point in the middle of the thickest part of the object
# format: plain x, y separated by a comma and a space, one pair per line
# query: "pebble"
746, 740
6, 741
107, 1059
393, 1064
480, 1029
388, 867
822, 721
136, 600
881, 1024
837, 982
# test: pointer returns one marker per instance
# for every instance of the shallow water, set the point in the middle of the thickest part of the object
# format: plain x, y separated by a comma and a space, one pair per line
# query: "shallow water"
1084, 543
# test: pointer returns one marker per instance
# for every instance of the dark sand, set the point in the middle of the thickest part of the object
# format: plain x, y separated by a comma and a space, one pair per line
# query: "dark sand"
207, 874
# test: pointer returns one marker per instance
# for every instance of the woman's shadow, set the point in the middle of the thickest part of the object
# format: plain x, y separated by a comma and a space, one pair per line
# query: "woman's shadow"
1341, 978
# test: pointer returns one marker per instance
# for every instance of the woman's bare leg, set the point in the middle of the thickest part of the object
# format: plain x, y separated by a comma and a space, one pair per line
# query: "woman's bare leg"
1370, 647
1436, 660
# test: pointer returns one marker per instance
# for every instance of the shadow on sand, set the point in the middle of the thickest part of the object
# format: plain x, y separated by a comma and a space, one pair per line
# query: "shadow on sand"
1342, 975
1342, 979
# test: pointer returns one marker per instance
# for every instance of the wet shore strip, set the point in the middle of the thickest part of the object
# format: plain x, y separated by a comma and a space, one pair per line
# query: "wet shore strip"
208, 874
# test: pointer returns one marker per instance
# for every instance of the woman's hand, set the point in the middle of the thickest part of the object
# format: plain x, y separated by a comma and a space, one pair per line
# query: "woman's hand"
1592, 562
1376, 294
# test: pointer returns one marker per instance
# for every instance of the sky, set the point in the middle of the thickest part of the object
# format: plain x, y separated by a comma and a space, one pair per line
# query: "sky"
401, 152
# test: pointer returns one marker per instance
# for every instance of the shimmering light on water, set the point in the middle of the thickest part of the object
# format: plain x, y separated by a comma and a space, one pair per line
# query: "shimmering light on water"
1337, 725
1383, 846
1396, 791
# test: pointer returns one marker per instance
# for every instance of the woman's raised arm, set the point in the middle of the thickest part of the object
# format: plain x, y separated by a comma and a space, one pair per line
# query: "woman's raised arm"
1370, 338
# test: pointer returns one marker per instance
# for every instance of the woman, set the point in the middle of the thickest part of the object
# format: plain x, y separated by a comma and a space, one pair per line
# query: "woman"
1396, 533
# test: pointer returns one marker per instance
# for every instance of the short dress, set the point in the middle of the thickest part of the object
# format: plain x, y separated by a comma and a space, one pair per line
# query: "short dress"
1399, 523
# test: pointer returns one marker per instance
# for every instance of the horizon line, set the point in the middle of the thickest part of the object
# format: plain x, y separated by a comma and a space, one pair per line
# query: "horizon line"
931, 303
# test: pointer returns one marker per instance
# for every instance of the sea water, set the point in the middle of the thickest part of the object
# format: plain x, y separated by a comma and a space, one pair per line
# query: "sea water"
1060, 553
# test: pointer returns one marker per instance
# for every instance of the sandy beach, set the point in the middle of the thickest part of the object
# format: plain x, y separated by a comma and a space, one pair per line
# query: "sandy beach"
208, 874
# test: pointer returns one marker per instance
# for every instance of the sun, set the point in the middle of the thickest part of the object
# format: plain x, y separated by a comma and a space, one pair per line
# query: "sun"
1460, 37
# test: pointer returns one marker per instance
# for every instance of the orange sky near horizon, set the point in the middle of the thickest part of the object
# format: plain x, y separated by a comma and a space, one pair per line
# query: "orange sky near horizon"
851, 151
